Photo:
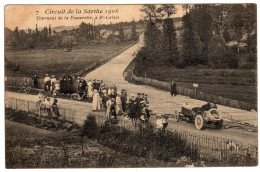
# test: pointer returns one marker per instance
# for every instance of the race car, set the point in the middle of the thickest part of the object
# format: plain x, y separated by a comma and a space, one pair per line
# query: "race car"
202, 116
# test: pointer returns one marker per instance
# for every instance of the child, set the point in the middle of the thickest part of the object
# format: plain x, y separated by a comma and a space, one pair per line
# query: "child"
161, 123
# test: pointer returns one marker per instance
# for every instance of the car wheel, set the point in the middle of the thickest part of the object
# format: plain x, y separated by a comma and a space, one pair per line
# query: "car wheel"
199, 122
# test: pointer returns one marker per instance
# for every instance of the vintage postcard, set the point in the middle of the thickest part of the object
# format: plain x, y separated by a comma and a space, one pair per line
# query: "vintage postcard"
118, 86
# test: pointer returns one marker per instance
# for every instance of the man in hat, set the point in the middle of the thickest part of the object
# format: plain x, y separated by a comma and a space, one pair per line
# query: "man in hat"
47, 83
145, 109
53, 81
123, 99
35, 81
69, 84
132, 106
113, 94
95, 85
62, 85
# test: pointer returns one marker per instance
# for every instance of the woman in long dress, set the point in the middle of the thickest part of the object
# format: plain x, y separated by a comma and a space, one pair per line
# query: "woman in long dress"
96, 104
90, 91
108, 104
118, 104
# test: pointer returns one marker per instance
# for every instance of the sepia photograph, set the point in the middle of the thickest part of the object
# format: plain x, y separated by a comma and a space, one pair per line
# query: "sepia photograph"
130, 85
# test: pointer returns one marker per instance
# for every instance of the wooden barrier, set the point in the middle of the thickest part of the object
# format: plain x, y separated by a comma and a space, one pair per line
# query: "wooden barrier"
199, 95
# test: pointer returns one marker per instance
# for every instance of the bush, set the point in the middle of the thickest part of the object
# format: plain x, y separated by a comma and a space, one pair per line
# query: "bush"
148, 144
90, 127
232, 60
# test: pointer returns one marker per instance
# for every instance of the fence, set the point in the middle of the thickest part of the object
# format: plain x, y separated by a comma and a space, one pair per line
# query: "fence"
21, 81
199, 95
207, 146
34, 107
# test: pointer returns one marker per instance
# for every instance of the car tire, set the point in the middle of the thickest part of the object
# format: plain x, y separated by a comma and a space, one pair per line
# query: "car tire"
199, 122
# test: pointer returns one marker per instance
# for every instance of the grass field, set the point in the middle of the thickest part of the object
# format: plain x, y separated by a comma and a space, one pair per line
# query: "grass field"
57, 61
229, 83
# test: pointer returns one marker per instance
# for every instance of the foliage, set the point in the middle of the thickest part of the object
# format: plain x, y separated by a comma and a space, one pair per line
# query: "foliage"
190, 54
30, 43
217, 52
90, 127
67, 41
166, 147
121, 34
134, 35
169, 44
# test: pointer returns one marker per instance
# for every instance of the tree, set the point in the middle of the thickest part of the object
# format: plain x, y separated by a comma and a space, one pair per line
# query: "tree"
217, 52
49, 29
67, 42
238, 22
121, 34
151, 33
15, 39
30, 43
202, 25
190, 50
134, 35
170, 49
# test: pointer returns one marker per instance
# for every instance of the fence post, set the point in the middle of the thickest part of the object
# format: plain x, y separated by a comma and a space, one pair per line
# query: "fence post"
16, 104
28, 106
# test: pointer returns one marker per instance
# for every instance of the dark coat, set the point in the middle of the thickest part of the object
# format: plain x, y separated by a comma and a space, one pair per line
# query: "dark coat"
173, 89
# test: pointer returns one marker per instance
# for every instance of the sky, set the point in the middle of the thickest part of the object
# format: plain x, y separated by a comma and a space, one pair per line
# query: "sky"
25, 16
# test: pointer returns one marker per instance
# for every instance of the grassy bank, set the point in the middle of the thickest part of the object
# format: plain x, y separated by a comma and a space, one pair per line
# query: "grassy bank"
57, 61
236, 84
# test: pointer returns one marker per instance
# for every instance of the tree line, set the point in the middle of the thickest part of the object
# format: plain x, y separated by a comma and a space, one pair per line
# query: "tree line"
203, 36
49, 38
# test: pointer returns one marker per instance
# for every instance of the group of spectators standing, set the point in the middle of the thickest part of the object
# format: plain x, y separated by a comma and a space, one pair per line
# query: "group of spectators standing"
103, 98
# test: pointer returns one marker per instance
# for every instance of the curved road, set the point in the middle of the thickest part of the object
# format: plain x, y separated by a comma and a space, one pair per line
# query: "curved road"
162, 102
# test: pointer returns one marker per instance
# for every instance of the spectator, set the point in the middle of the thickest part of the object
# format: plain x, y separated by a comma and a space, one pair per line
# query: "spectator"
53, 81
69, 84
47, 83
113, 94
55, 109
48, 105
108, 105
173, 89
124, 99
132, 107
35, 81
161, 123
96, 101
90, 91
138, 106
145, 110
113, 108
118, 104
40, 97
